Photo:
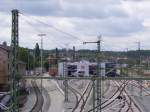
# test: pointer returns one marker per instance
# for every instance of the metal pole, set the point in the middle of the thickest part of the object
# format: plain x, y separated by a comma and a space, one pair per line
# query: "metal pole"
139, 49
66, 81
41, 35
13, 60
28, 62
139, 52
41, 63
34, 63
127, 62
98, 81
148, 64
93, 95
74, 54
99, 98
57, 56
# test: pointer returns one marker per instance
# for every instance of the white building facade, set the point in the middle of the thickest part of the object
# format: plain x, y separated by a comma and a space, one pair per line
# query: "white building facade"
82, 68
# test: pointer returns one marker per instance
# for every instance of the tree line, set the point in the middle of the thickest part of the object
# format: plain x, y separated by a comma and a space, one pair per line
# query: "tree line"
32, 56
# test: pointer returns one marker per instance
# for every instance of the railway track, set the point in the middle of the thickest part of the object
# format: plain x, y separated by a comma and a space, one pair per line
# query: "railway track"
107, 103
85, 101
124, 100
120, 91
81, 98
135, 84
4, 101
39, 98
127, 100
130, 102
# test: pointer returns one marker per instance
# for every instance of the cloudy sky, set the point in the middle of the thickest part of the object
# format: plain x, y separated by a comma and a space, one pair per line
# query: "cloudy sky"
121, 23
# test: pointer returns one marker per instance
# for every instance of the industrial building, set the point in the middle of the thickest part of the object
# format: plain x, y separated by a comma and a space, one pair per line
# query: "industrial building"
86, 68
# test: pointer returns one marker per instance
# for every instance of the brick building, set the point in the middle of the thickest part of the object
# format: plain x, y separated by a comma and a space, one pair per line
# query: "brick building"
4, 67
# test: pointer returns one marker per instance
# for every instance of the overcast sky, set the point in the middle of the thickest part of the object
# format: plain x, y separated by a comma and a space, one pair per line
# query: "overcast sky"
120, 22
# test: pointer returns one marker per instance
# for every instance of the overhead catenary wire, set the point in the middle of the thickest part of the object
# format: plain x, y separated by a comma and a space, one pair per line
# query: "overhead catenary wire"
53, 27
30, 24
38, 31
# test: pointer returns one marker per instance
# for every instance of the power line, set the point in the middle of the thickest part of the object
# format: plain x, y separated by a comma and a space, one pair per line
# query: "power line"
38, 31
30, 24
53, 27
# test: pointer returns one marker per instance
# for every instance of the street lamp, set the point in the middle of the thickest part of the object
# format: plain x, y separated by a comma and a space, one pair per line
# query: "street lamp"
41, 35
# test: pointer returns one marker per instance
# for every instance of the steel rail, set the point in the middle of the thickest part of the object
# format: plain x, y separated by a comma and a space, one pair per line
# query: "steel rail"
39, 101
81, 97
109, 98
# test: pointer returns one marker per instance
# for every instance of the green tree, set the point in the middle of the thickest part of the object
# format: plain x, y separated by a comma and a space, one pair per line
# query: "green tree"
25, 56
46, 65
37, 55
37, 50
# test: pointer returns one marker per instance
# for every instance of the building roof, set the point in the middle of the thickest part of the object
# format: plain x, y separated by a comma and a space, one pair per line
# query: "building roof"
7, 48
4, 47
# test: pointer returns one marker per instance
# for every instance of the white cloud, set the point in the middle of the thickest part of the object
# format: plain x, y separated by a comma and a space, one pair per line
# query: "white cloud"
121, 23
